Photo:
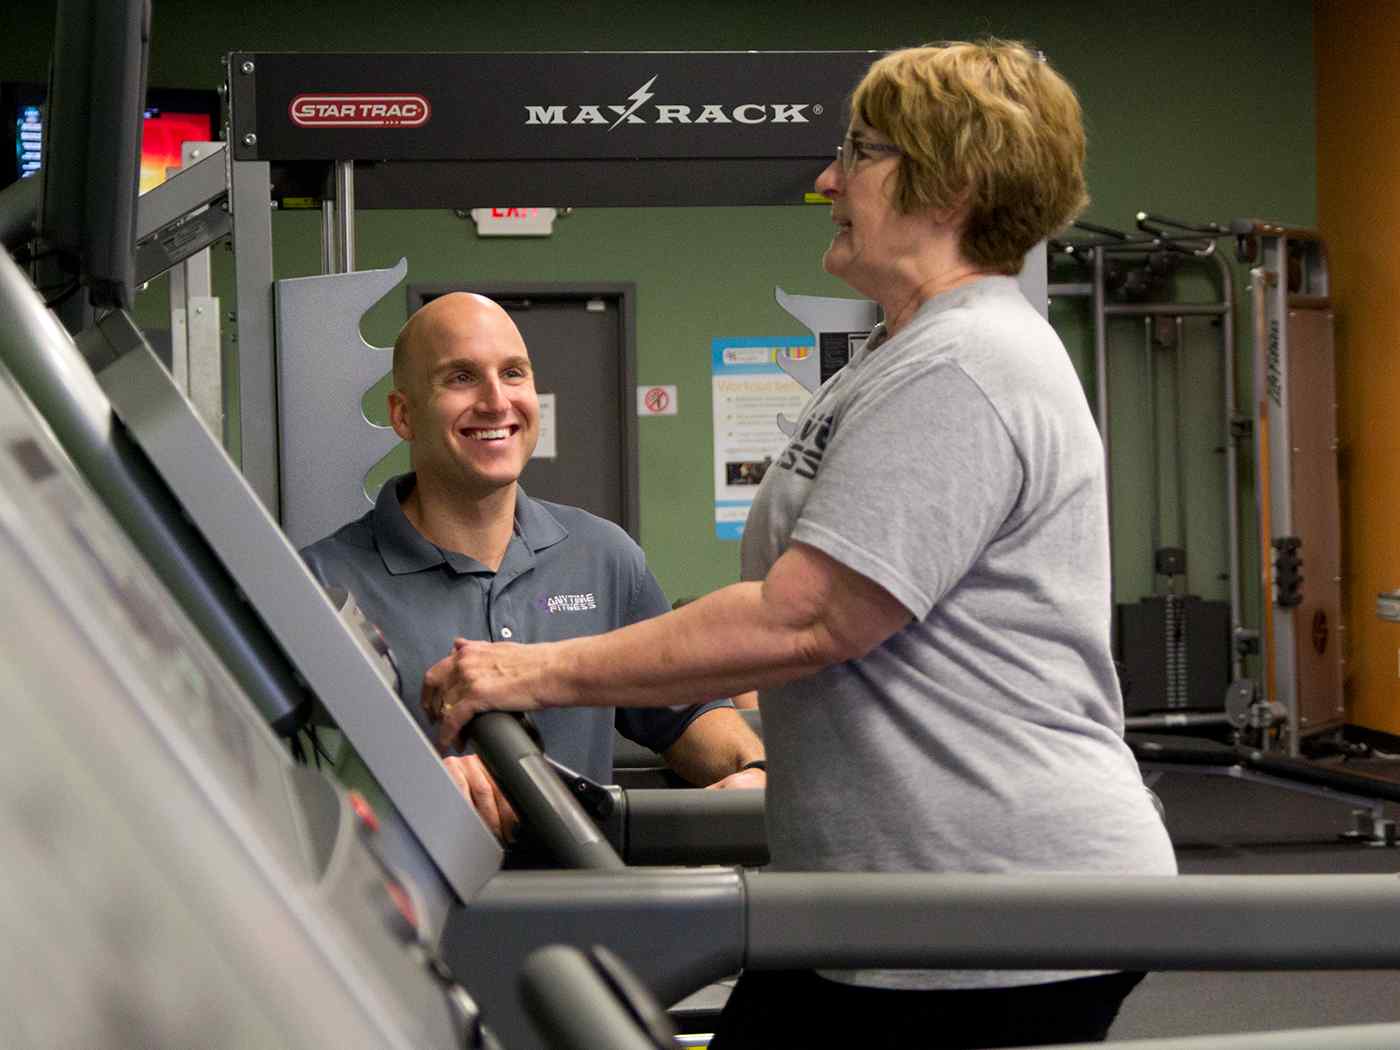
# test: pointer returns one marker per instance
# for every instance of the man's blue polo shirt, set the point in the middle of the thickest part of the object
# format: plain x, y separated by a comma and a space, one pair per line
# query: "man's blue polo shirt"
566, 574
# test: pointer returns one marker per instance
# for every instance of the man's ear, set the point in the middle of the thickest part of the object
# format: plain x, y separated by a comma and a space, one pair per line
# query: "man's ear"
398, 415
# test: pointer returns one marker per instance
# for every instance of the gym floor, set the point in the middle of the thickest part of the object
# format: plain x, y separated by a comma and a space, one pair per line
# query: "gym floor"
1225, 826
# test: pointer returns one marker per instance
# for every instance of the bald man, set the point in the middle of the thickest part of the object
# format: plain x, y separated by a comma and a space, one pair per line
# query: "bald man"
456, 549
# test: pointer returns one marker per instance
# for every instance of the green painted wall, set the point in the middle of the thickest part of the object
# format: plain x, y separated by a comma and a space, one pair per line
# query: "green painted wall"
1199, 110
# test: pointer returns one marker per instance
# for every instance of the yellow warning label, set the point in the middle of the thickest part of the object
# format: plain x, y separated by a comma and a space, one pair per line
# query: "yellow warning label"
300, 202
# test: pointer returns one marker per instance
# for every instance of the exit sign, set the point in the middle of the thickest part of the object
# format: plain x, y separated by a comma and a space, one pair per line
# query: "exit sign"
514, 222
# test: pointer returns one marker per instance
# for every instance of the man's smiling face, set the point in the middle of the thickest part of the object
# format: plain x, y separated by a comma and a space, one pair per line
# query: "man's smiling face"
465, 395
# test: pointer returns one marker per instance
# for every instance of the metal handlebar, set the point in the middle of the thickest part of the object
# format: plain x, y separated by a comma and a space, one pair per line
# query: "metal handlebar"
533, 787
578, 1002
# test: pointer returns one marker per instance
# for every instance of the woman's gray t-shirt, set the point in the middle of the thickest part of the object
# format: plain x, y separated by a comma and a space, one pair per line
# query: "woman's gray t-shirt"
957, 465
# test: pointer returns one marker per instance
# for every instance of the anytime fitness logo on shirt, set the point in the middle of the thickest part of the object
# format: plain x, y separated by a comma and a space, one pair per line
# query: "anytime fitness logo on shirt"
804, 454
566, 603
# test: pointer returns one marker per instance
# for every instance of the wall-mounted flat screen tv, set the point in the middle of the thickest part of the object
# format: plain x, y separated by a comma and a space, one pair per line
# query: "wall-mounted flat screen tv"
173, 117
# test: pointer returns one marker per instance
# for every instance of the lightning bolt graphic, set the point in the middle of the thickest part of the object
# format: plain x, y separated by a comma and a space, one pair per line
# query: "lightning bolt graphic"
638, 97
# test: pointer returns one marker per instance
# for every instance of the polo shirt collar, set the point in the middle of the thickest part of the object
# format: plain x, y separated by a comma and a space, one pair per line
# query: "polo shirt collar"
405, 550
535, 524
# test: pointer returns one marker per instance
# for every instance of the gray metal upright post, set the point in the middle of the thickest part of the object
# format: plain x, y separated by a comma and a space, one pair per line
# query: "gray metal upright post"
345, 216
257, 349
1180, 456
1149, 359
1274, 391
1101, 398
179, 326
327, 235
196, 350
1232, 469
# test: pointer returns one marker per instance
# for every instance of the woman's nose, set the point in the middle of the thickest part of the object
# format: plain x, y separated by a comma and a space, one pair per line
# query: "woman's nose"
830, 179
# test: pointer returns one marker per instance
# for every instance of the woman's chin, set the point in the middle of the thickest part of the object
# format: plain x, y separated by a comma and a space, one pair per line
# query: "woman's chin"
834, 260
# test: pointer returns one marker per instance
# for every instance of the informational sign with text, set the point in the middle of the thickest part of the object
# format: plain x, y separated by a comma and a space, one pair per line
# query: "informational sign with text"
750, 391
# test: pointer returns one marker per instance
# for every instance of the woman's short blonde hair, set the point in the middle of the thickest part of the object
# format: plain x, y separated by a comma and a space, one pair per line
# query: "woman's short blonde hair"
989, 124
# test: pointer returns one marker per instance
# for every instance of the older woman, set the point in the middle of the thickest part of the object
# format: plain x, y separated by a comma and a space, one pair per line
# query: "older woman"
926, 605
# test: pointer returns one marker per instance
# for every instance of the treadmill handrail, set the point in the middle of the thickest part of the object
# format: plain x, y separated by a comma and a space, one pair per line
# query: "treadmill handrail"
532, 786
574, 1007
1168, 922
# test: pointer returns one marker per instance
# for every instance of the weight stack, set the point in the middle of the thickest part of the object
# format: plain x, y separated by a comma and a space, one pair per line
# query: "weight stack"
1174, 651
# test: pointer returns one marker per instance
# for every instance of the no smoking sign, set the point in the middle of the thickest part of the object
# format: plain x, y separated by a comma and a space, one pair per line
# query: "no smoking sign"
656, 400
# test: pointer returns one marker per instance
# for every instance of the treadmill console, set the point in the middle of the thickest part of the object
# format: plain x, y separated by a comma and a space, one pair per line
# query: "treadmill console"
164, 854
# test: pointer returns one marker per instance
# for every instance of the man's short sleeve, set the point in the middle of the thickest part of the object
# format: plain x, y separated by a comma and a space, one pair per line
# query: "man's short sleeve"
648, 599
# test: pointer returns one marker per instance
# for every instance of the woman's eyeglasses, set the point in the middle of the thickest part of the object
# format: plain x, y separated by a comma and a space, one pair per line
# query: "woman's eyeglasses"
852, 151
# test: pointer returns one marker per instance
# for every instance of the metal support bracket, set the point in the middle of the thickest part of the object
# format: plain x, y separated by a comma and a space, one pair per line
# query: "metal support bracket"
328, 446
